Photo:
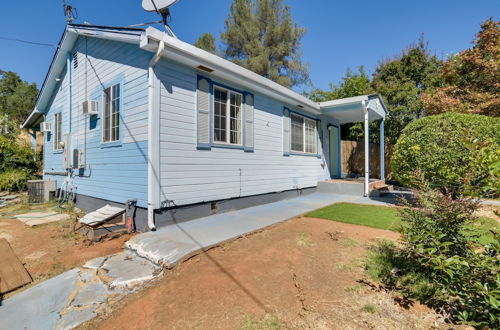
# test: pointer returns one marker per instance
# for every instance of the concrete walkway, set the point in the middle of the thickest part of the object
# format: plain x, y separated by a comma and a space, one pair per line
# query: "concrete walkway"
172, 243
78, 295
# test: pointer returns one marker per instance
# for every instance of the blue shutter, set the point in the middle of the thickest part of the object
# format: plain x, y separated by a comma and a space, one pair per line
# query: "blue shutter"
203, 104
286, 132
319, 142
248, 130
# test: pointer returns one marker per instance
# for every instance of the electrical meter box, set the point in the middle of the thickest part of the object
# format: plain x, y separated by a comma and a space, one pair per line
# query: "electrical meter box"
67, 151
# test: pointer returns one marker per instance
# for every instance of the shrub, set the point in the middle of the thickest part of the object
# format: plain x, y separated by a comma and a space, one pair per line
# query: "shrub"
439, 262
17, 164
15, 179
440, 147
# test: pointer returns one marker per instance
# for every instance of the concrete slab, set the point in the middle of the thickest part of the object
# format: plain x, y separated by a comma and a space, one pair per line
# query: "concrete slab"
40, 218
172, 243
91, 294
95, 263
124, 270
39, 306
74, 318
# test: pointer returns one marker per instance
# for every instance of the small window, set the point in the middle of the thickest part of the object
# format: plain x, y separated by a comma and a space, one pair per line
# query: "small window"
303, 132
75, 60
228, 121
111, 114
57, 131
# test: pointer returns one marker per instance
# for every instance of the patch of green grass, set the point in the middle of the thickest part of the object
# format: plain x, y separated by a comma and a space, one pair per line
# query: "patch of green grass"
349, 243
369, 308
304, 239
384, 217
381, 217
481, 228
269, 322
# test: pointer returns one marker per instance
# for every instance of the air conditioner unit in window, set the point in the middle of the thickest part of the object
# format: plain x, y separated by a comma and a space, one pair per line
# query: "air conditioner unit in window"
90, 108
45, 127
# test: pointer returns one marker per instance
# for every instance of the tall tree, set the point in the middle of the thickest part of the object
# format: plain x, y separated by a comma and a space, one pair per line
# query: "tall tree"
17, 97
207, 42
401, 81
261, 36
472, 77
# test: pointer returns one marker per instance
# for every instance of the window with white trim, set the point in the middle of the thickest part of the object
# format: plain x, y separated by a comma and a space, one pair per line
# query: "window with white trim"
57, 131
303, 134
228, 119
111, 114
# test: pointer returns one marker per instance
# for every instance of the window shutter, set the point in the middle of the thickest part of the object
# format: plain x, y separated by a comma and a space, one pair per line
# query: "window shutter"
249, 123
319, 142
203, 120
286, 132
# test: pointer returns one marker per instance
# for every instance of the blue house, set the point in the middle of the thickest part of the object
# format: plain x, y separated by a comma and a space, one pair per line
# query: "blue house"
137, 114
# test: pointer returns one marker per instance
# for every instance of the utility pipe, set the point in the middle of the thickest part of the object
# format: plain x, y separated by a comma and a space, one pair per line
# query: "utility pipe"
153, 140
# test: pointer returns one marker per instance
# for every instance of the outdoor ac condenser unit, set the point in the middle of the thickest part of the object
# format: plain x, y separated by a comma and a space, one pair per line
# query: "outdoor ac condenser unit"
45, 127
40, 191
90, 108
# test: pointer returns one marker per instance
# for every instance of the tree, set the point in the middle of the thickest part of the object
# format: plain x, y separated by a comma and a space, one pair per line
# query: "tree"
472, 78
401, 82
17, 97
207, 42
261, 36
352, 84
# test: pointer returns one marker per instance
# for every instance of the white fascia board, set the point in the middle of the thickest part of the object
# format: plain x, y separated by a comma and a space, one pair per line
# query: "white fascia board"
60, 58
344, 101
192, 56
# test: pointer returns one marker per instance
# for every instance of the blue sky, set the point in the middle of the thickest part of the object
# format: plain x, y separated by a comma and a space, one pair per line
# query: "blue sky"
340, 34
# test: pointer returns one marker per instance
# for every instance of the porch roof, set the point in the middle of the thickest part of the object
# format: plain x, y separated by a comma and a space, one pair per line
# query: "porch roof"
351, 109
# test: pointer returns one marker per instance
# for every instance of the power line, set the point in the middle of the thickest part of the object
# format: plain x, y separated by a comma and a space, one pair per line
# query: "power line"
29, 42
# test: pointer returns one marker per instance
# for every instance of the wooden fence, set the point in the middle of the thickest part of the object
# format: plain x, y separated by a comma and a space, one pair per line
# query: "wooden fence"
353, 158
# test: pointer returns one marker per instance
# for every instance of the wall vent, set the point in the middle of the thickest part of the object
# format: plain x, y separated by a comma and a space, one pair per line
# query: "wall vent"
75, 60
204, 68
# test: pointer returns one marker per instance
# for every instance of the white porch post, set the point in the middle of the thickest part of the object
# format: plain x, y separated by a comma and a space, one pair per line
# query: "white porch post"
367, 149
382, 151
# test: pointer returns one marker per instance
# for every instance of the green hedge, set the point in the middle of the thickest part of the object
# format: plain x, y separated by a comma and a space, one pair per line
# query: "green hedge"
439, 147
17, 164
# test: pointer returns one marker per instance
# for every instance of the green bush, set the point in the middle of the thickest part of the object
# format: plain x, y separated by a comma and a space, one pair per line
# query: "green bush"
440, 147
15, 180
439, 262
17, 164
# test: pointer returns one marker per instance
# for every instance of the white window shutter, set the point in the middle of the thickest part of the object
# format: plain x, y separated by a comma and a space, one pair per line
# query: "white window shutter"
203, 112
286, 132
249, 123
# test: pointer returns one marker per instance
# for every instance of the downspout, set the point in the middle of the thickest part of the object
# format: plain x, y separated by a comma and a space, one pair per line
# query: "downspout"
153, 137
69, 73
367, 149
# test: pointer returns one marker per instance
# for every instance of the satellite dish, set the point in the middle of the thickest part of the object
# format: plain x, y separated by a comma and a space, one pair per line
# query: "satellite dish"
161, 7
157, 5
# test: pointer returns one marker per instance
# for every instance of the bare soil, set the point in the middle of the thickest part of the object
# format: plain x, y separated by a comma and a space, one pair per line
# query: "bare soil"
50, 249
303, 273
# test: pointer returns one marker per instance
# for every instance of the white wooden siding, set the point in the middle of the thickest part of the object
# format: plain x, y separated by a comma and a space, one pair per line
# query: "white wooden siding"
189, 175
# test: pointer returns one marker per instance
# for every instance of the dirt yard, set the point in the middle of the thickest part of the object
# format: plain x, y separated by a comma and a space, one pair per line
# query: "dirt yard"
302, 273
50, 249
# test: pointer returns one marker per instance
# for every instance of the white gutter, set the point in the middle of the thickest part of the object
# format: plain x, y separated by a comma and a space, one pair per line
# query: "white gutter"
228, 71
153, 136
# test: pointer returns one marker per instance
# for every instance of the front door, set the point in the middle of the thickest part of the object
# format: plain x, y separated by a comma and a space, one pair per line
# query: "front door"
334, 151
